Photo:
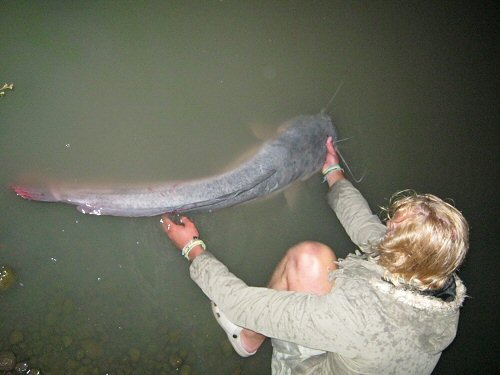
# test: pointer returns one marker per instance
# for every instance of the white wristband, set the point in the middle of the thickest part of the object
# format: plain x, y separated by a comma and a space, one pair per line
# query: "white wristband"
192, 244
330, 169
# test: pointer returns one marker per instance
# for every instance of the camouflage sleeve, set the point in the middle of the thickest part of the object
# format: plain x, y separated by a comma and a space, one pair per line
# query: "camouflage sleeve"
325, 322
354, 214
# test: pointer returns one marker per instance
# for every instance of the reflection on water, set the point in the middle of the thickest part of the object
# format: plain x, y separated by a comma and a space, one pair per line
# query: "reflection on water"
159, 92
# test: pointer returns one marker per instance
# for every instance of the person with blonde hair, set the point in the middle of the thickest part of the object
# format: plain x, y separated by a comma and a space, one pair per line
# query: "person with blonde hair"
426, 242
391, 308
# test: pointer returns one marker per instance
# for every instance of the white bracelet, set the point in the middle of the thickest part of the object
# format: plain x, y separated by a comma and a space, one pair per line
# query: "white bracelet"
192, 244
330, 169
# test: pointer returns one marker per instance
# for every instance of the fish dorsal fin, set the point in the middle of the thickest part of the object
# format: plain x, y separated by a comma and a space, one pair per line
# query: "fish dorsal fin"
262, 132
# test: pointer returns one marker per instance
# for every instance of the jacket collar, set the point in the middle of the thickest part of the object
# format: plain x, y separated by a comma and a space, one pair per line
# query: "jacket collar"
364, 266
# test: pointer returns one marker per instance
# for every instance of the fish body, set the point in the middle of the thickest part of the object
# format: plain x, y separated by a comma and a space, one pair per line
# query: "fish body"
296, 153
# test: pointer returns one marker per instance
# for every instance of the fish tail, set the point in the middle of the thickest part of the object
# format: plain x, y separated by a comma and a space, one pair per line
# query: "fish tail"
35, 192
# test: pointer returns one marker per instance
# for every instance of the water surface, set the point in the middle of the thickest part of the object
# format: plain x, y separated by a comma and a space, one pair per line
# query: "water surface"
134, 92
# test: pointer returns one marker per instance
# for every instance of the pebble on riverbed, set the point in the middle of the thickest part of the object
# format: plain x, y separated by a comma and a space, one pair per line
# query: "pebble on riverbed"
7, 361
22, 367
7, 277
186, 370
134, 354
16, 337
92, 349
67, 341
176, 361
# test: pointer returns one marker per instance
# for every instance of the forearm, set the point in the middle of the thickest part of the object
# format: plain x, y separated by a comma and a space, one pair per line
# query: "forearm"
197, 250
278, 314
243, 305
354, 213
333, 177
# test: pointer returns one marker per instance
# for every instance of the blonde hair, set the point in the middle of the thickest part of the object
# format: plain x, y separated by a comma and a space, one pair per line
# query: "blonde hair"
426, 241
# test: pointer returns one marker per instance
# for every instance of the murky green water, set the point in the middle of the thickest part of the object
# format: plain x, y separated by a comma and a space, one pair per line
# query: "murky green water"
176, 90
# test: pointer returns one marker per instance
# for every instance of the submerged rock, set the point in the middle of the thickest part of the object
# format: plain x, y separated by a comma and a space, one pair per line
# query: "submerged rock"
67, 341
7, 277
134, 354
7, 361
176, 361
68, 306
16, 337
92, 349
186, 370
22, 367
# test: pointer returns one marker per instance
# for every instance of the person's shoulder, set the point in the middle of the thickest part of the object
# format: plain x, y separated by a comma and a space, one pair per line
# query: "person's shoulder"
358, 271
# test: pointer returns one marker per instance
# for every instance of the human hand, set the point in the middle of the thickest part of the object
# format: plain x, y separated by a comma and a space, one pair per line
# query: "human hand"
180, 234
332, 158
331, 154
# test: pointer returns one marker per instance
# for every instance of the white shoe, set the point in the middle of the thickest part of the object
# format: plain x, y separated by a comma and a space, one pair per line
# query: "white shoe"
233, 331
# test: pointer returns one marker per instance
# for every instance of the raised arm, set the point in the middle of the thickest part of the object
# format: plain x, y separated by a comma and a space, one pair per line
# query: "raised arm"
349, 205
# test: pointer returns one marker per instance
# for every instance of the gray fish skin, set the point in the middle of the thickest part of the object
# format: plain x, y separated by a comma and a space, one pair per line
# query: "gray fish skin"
296, 153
